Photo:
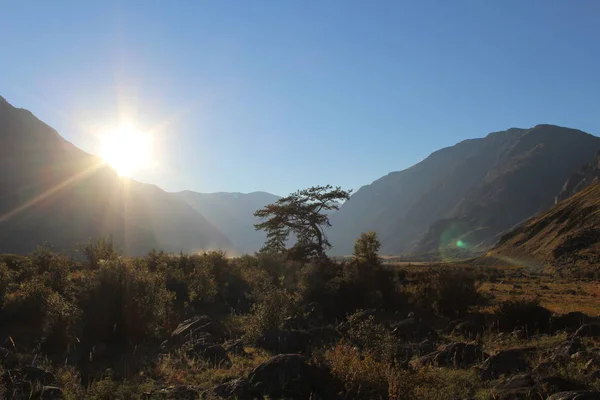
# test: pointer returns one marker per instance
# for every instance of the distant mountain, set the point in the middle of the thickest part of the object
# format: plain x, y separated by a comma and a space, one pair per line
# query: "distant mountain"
232, 213
581, 179
461, 198
567, 235
51, 191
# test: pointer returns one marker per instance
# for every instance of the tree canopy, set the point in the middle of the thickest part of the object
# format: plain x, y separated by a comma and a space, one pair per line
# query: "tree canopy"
303, 213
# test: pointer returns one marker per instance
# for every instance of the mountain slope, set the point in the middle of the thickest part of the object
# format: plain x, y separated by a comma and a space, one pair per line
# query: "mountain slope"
52, 191
464, 196
581, 179
232, 213
566, 235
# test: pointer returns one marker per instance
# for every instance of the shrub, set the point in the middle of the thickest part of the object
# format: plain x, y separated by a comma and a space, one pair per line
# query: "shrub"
270, 311
371, 337
526, 314
137, 308
362, 376
366, 248
449, 292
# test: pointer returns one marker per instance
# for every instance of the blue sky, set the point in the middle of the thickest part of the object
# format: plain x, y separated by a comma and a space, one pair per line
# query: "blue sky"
281, 95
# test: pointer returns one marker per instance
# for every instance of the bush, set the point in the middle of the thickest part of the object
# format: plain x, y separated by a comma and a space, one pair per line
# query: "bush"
137, 309
269, 313
366, 248
525, 314
449, 292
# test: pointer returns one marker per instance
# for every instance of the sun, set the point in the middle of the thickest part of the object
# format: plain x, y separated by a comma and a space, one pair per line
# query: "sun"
127, 149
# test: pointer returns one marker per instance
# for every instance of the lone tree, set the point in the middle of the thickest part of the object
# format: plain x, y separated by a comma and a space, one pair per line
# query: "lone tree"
366, 248
303, 214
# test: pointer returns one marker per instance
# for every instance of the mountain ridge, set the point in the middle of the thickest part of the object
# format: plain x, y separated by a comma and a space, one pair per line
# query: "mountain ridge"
52, 191
469, 182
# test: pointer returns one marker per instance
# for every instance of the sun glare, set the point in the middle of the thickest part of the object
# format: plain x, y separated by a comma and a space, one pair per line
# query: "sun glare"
127, 149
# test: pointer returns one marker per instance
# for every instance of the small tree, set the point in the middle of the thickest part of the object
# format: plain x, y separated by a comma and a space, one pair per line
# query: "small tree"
301, 213
366, 248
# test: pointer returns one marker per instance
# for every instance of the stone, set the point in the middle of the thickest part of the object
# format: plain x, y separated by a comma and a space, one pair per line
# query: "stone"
504, 363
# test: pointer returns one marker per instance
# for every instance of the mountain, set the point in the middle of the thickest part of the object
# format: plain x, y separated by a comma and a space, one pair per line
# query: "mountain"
461, 198
581, 179
566, 235
51, 191
232, 213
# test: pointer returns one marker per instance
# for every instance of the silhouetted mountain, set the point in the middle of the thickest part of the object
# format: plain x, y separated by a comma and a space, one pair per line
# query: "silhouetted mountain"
581, 179
566, 235
52, 191
461, 198
232, 213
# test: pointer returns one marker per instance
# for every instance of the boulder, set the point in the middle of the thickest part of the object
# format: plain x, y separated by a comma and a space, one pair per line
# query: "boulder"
290, 376
284, 342
413, 330
576, 395
570, 322
588, 330
554, 384
504, 363
186, 330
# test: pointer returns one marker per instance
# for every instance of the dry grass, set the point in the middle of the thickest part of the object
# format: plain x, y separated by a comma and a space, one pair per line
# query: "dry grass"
178, 369
559, 296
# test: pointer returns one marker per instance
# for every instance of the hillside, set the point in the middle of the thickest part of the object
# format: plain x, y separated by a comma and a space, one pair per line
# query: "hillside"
461, 198
232, 214
51, 191
566, 235
581, 179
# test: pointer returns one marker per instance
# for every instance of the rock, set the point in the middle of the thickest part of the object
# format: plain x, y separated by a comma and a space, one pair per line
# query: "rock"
284, 342
33, 373
588, 330
215, 354
553, 384
235, 389
530, 320
8, 359
215, 330
187, 329
504, 363
577, 395
516, 382
413, 330
290, 376
570, 322
425, 347
51, 393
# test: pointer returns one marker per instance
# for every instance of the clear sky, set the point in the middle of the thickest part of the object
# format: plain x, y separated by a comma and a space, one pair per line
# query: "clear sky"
280, 95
